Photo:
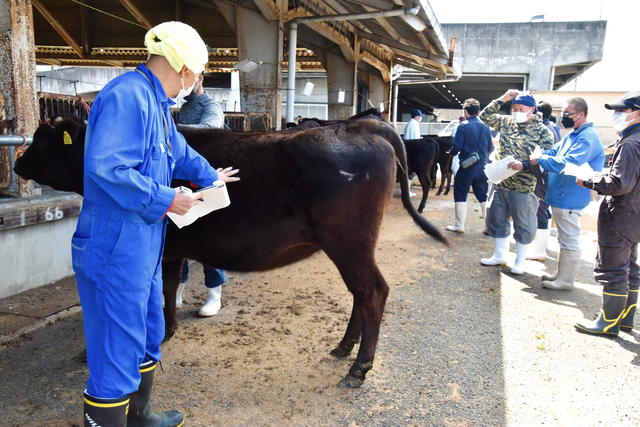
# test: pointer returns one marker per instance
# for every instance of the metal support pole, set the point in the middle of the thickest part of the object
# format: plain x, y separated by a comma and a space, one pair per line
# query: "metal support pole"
15, 140
291, 77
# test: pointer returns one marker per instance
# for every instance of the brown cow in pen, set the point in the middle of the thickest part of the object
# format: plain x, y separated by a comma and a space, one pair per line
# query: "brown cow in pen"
301, 191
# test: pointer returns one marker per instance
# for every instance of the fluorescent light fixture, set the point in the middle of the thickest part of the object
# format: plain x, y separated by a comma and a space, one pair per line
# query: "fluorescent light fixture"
247, 65
341, 96
308, 88
415, 22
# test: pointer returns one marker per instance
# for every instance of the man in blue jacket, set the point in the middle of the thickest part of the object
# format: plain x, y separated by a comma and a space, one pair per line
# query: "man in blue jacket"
132, 152
472, 141
564, 196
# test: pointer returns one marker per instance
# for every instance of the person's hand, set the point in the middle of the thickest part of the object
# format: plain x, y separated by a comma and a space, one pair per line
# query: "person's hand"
226, 174
183, 201
516, 165
580, 183
509, 95
533, 162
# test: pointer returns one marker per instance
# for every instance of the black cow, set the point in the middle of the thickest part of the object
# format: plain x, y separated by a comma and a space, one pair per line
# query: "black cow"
422, 155
445, 143
301, 191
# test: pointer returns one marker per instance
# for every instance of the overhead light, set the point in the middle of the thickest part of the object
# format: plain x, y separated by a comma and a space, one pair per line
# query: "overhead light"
415, 22
247, 65
308, 89
444, 86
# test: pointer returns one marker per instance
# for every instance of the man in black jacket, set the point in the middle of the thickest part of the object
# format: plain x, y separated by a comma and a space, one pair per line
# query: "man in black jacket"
618, 225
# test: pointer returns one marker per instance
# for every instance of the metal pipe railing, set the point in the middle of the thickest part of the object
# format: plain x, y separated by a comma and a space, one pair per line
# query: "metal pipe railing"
15, 140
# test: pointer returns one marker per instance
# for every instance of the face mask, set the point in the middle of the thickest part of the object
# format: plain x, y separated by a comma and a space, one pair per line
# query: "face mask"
568, 122
619, 120
520, 117
184, 92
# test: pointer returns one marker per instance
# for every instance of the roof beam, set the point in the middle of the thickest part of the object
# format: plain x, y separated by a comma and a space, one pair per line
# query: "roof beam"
268, 9
438, 61
376, 4
408, 63
136, 13
58, 27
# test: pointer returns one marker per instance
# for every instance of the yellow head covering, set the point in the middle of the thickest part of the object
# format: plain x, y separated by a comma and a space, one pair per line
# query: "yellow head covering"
179, 43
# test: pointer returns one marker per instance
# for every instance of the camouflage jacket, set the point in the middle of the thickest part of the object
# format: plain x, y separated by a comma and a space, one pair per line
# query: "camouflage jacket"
518, 140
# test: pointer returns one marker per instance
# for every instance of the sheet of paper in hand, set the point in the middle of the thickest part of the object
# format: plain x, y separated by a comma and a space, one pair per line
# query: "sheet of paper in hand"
498, 171
213, 198
584, 171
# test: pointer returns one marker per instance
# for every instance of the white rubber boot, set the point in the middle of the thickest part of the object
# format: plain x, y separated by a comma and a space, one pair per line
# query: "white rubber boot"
500, 251
538, 248
483, 209
179, 295
521, 258
213, 303
410, 193
568, 265
461, 217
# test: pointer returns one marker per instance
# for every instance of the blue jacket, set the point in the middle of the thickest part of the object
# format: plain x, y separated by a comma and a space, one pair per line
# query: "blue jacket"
473, 136
580, 146
128, 162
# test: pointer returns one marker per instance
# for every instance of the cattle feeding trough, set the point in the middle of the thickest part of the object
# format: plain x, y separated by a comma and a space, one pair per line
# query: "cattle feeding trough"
302, 191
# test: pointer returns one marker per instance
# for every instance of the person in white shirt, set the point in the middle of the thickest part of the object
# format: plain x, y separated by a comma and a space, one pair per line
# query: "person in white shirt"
412, 131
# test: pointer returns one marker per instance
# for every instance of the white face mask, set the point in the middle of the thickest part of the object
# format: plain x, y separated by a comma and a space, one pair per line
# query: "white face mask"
520, 116
619, 120
184, 92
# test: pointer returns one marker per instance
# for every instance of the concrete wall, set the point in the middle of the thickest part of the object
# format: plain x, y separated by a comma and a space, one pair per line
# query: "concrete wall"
35, 255
527, 48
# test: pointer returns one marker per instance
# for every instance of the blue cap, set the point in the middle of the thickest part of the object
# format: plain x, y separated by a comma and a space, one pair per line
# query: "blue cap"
416, 112
527, 100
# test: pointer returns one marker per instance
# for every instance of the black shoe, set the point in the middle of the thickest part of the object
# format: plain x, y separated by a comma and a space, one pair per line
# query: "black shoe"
105, 412
140, 414
607, 322
626, 323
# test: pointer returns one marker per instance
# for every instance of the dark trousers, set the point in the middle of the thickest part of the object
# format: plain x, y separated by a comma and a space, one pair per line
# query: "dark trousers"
616, 261
213, 277
544, 215
472, 177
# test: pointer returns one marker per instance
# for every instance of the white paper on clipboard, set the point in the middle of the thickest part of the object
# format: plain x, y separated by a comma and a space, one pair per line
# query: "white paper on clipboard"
498, 171
213, 198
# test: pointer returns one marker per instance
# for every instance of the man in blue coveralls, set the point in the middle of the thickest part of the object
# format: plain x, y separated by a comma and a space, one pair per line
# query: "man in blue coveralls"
473, 142
132, 152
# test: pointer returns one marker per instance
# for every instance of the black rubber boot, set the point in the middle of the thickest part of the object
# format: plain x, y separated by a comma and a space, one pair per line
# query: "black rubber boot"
140, 414
105, 412
607, 322
626, 323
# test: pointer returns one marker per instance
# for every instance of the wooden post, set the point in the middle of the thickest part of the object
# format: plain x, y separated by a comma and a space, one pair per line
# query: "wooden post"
18, 84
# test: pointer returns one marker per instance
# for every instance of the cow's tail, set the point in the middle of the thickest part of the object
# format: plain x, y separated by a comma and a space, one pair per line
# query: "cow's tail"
401, 159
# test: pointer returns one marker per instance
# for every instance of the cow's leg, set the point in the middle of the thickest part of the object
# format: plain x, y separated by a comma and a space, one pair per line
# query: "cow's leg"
370, 290
170, 279
434, 174
425, 182
351, 335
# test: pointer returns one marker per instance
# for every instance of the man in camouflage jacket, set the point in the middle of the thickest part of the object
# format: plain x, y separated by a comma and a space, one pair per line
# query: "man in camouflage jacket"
513, 197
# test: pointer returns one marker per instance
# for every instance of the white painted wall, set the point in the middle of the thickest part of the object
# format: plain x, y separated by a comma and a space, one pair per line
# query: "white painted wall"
36, 255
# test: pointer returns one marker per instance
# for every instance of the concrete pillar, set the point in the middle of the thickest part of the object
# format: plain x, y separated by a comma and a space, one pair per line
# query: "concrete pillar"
17, 86
340, 76
260, 40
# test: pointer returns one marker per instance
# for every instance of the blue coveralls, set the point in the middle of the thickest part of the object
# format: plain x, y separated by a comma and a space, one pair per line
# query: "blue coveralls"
118, 243
472, 136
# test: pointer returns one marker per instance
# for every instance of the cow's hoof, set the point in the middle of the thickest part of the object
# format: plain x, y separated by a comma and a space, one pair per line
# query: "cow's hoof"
81, 357
168, 334
351, 382
340, 352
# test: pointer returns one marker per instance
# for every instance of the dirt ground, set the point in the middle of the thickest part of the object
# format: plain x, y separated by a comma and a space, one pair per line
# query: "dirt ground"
460, 345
